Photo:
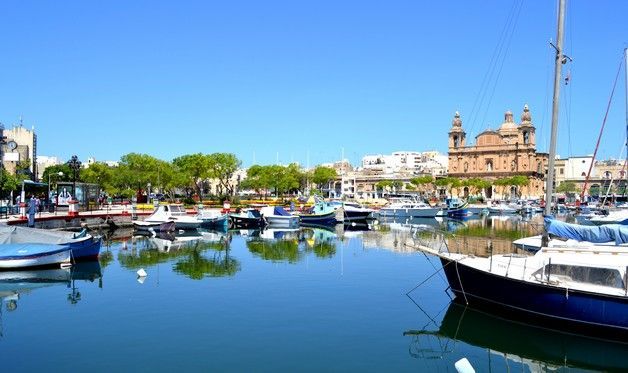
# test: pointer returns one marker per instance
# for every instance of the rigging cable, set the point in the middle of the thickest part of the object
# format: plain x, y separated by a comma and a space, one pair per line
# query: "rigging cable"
597, 145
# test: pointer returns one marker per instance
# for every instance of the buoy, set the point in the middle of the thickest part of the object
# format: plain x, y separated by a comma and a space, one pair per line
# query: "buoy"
464, 366
141, 273
141, 279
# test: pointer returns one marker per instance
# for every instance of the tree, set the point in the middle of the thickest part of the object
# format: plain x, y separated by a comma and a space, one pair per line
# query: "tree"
567, 187
323, 175
8, 183
383, 185
195, 168
101, 174
222, 166
421, 181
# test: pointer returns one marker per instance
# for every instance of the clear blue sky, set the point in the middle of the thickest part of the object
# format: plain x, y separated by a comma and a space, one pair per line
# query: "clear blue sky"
103, 78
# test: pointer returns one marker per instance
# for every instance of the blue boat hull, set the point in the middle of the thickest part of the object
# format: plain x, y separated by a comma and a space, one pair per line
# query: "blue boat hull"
592, 313
322, 219
86, 249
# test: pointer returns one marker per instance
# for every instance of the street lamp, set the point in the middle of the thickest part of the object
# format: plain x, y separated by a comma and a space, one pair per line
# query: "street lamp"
75, 165
59, 174
148, 194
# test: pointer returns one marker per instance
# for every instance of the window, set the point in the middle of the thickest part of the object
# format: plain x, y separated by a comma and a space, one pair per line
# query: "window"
562, 171
581, 274
466, 167
489, 165
526, 137
456, 141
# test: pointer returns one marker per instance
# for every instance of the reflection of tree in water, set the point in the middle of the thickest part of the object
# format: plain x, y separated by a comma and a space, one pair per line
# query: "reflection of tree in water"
276, 251
196, 266
105, 258
192, 261
319, 241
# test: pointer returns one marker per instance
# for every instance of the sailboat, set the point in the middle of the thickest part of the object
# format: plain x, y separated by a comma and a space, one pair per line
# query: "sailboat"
570, 288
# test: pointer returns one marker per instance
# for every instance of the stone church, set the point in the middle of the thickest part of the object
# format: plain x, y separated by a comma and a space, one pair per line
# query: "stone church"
505, 152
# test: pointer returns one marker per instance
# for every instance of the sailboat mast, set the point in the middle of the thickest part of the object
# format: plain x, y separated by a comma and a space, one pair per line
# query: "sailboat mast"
558, 65
626, 94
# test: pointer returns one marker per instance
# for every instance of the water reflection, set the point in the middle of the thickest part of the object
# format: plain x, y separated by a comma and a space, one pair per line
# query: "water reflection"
292, 245
516, 341
15, 284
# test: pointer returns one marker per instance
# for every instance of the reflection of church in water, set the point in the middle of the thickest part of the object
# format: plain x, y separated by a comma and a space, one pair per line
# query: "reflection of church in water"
505, 152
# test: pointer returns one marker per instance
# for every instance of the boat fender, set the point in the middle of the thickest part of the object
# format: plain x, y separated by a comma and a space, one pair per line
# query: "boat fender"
464, 366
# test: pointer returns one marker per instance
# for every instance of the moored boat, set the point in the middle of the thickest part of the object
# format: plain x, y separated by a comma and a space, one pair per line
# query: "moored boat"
168, 213
249, 218
277, 216
213, 219
83, 245
23, 255
322, 213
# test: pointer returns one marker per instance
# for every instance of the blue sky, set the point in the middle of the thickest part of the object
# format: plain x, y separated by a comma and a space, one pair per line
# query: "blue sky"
257, 78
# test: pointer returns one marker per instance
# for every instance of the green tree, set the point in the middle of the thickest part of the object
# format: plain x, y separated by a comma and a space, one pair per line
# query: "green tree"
222, 166
567, 187
101, 174
195, 168
323, 176
8, 183
421, 182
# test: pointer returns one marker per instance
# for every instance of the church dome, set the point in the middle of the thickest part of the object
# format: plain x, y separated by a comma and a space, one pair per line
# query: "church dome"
509, 123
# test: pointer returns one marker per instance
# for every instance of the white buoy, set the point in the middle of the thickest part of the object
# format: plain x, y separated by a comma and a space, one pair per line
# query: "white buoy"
464, 366
141, 279
141, 273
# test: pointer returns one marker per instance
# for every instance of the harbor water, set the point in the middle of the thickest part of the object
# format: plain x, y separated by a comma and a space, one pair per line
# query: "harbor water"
308, 300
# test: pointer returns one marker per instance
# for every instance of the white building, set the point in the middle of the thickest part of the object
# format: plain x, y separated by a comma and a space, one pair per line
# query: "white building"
431, 162
44, 162
92, 160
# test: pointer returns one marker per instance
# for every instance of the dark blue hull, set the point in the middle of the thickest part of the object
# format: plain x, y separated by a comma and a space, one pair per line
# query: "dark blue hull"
603, 315
457, 213
87, 249
324, 219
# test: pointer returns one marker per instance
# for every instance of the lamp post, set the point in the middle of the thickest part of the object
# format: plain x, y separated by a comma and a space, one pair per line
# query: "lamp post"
75, 165
148, 193
58, 174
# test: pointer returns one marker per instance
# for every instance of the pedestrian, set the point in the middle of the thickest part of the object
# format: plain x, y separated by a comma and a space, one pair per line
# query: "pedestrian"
32, 210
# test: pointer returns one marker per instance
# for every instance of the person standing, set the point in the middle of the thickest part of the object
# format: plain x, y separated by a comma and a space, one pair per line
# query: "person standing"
32, 210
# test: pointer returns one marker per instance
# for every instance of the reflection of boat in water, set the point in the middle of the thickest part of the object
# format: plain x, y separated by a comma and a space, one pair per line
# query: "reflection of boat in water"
15, 282
531, 345
357, 226
278, 233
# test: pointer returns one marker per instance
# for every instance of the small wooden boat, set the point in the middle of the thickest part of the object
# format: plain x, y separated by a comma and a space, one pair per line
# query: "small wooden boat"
213, 219
22, 255
84, 245
276, 216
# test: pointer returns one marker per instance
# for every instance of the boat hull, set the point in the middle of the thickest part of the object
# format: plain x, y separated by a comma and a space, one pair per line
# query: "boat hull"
356, 215
321, 219
243, 222
86, 249
410, 213
589, 312
156, 226
33, 255
283, 221
220, 222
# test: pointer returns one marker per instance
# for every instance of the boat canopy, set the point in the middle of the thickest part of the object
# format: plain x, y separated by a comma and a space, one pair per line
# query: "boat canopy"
596, 234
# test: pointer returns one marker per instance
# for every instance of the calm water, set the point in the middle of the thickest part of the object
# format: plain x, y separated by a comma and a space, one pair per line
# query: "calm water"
303, 300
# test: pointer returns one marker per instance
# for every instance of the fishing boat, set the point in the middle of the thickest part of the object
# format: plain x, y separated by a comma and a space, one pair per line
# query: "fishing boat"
248, 218
23, 255
84, 246
576, 288
353, 211
213, 219
322, 213
456, 208
277, 216
161, 218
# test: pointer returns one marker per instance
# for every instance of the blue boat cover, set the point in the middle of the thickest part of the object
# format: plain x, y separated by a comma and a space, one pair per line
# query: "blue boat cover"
596, 234
281, 212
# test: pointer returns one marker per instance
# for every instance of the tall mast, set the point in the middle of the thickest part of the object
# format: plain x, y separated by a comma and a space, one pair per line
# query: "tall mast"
558, 65
626, 94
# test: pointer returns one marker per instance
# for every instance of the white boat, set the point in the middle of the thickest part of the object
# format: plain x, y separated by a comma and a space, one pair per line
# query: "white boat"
476, 209
409, 209
502, 209
169, 213
613, 217
276, 216
22, 255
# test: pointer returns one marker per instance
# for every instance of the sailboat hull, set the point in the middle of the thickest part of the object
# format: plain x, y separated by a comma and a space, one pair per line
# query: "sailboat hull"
591, 313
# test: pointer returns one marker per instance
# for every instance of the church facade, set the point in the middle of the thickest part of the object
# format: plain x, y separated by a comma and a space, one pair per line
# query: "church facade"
505, 152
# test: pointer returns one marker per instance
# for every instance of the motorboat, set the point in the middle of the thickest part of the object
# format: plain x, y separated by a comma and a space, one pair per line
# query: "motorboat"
502, 209
404, 208
84, 246
23, 255
277, 216
613, 217
166, 214
476, 209
248, 218
353, 211
213, 219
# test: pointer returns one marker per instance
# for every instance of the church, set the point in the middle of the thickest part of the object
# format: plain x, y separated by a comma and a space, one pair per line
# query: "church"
508, 151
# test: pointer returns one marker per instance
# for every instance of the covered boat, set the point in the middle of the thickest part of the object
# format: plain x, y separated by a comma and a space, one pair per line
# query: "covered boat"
575, 235
249, 218
22, 255
277, 216
322, 213
82, 244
